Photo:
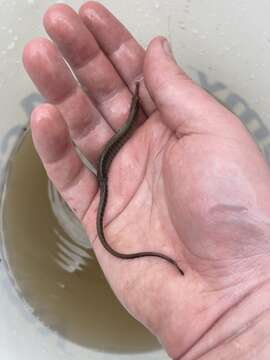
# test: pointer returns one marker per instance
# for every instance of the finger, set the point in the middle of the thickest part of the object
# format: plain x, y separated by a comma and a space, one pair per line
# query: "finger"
54, 80
185, 107
123, 51
63, 165
97, 74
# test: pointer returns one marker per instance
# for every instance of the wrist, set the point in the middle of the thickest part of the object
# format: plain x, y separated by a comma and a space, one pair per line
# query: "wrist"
243, 329
240, 331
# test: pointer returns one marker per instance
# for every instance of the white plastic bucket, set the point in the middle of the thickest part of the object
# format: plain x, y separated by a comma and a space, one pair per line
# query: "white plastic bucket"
225, 47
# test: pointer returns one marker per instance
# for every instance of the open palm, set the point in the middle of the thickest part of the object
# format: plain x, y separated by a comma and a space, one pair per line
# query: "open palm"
190, 183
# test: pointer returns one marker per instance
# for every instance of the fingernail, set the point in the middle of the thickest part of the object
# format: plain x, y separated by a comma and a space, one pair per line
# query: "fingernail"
167, 48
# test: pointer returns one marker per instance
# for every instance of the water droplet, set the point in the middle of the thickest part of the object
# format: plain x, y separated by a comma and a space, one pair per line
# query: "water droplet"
11, 45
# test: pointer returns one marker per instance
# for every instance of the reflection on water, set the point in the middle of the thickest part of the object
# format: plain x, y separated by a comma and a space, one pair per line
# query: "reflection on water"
76, 302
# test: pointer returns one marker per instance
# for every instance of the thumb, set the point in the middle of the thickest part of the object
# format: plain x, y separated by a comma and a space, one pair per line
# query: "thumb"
185, 107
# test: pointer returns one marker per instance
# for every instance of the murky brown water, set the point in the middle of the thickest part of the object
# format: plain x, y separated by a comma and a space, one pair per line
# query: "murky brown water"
78, 304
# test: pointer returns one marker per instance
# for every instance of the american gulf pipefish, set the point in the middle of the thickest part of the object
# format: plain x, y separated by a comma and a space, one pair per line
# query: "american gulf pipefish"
106, 157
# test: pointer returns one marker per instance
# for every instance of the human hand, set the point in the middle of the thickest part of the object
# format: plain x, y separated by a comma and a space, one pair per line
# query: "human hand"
190, 183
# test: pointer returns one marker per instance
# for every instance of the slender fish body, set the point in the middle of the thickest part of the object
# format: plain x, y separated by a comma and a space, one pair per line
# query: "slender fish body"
106, 157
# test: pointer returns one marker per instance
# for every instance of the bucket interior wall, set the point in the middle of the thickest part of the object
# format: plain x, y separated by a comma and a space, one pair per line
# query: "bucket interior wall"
49, 281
